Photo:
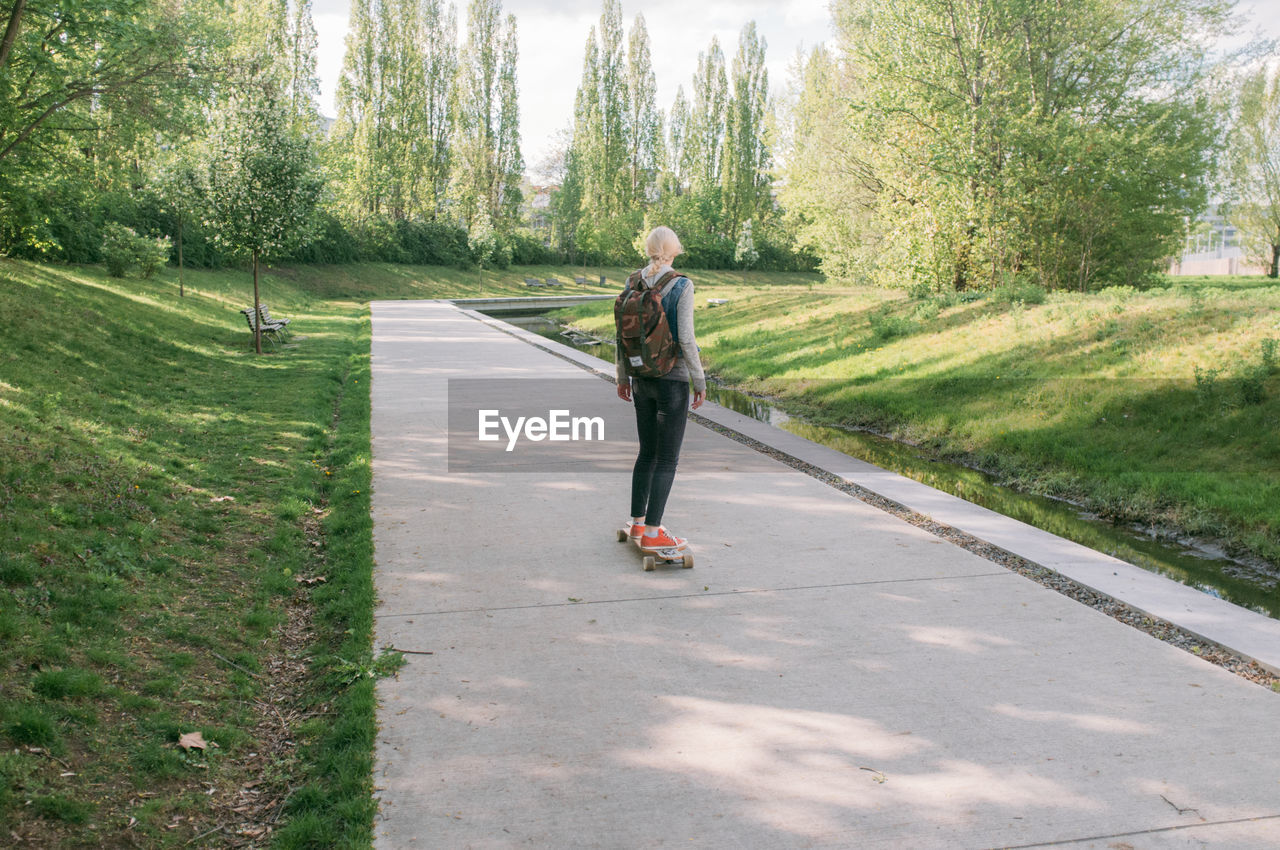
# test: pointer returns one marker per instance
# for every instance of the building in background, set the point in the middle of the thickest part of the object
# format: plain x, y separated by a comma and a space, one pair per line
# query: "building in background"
1213, 248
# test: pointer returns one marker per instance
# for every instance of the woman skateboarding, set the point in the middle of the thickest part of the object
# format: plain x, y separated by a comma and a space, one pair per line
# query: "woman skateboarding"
654, 373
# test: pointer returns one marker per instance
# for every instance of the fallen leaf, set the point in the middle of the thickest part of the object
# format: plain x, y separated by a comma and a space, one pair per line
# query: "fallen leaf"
192, 741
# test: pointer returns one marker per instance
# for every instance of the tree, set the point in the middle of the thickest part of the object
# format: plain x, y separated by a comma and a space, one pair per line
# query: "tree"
177, 182
356, 149
831, 192
678, 161
708, 119
643, 131
440, 46
1015, 137
1253, 169
263, 179
602, 143
745, 178
487, 165
304, 81
61, 64
86, 90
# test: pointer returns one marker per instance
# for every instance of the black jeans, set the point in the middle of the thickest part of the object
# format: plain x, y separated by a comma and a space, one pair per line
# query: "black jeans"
661, 412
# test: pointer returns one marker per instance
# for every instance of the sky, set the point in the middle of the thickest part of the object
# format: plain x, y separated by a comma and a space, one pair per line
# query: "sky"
553, 37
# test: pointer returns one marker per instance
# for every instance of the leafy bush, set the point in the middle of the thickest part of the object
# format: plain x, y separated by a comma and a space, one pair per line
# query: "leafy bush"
528, 250
117, 248
151, 254
123, 249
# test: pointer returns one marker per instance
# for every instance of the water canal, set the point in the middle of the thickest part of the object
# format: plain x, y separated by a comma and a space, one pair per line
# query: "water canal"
1195, 563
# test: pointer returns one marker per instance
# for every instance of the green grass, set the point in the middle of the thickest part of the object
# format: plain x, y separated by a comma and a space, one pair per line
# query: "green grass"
1159, 406
160, 491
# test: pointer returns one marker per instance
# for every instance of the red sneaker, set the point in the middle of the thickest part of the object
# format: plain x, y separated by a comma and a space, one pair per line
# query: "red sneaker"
635, 529
662, 540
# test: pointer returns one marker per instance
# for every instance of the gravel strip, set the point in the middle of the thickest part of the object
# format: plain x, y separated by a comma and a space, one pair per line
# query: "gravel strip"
1159, 629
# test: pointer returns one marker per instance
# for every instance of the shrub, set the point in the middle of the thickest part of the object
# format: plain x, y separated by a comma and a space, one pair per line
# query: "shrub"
117, 248
151, 254
123, 249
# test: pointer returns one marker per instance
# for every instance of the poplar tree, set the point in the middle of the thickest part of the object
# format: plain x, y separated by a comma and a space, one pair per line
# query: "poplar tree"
831, 191
488, 166
744, 176
602, 142
678, 159
401, 79
613, 189
708, 119
357, 139
644, 124
440, 46
304, 80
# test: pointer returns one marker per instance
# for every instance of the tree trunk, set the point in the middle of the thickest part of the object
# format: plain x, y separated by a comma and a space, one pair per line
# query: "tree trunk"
1275, 262
257, 309
960, 277
11, 31
181, 290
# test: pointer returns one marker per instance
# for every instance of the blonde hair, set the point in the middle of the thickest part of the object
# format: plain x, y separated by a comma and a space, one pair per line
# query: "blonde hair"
662, 244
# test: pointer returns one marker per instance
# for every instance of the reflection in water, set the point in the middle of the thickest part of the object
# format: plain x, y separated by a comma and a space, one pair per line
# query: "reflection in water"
1251, 586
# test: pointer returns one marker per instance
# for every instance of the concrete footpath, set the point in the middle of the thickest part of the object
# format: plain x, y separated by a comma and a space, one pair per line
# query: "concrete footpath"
826, 676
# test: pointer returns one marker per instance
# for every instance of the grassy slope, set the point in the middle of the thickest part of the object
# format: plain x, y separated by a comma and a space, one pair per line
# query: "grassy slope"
138, 601
1142, 404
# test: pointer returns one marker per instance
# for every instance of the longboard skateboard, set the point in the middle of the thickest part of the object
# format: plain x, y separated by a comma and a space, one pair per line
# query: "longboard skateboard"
653, 557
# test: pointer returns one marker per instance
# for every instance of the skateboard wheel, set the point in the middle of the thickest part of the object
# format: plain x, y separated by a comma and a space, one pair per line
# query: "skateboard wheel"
622, 536
687, 562
649, 563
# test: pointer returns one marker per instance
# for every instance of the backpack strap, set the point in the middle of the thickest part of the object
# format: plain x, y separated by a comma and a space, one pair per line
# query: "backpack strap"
665, 279
671, 301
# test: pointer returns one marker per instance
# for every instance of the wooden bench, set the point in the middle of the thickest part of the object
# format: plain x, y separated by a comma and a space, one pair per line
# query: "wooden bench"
267, 319
581, 280
551, 281
269, 331
532, 281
